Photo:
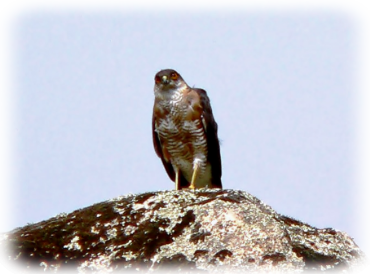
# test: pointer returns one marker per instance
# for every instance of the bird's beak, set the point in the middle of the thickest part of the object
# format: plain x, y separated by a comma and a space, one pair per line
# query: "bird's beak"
165, 80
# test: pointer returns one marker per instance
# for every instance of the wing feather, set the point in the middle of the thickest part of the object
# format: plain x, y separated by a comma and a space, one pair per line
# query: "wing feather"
213, 144
158, 149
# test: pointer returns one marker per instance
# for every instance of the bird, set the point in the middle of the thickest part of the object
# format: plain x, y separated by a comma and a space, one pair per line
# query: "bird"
184, 133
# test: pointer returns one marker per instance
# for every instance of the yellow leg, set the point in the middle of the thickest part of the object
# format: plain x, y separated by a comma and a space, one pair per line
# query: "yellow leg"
195, 174
177, 182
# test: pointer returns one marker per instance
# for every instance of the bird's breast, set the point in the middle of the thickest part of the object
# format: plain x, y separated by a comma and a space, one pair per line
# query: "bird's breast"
183, 140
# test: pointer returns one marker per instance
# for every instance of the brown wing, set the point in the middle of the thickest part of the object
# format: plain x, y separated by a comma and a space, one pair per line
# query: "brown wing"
159, 151
210, 128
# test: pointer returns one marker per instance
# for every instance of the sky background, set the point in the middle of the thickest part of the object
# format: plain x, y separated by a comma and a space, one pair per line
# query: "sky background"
281, 85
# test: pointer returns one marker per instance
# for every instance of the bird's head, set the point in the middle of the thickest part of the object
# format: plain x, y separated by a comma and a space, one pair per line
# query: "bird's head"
168, 81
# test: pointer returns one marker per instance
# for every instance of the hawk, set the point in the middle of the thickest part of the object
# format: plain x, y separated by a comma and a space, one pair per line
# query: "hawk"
185, 133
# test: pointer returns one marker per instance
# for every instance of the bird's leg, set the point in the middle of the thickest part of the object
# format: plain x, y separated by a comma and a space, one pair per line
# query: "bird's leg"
196, 169
177, 179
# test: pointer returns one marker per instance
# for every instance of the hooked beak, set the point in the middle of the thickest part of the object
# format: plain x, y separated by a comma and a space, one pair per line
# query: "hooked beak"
165, 80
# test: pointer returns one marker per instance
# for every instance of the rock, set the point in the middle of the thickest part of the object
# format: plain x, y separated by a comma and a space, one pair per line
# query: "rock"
205, 230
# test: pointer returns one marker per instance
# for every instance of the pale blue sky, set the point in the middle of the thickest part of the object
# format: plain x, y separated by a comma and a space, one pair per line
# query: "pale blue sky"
281, 87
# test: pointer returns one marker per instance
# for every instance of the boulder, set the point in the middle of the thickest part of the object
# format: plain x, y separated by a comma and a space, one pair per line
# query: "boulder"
205, 230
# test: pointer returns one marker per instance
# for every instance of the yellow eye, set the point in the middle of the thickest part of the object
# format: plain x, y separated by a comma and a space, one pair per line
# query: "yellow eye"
174, 76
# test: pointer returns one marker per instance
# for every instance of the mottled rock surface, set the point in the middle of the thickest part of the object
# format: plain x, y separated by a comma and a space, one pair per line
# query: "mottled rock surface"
204, 230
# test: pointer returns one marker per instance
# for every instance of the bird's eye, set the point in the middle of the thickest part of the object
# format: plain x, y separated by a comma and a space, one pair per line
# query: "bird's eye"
174, 76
